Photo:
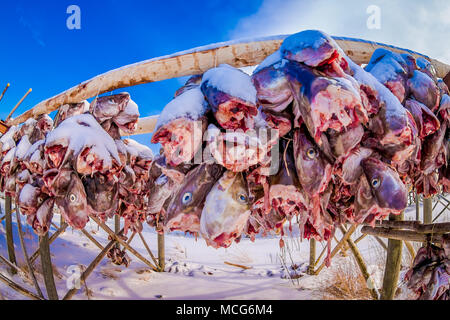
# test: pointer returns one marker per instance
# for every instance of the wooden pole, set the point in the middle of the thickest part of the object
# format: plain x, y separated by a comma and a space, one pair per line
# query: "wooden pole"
427, 210
417, 206
91, 267
312, 256
393, 265
47, 268
25, 255
123, 243
18, 104
405, 235
117, 227
337, 247
18, 288
4, 91
9, 233
53, 237
148, 249
161, 252
362, 265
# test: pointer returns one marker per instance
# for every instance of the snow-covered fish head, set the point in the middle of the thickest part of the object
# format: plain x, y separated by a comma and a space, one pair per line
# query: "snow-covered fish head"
315, 49
31, 198
226, 211
73, 203
272, 87
386, 185
128, 117
44, 215
107, 107
181, 125
232, 97
324, 103
192, 82
313, 168
185, 208
70, 110
101, 192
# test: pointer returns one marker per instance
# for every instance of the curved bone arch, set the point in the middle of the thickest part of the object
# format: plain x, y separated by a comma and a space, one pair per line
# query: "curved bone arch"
197, 61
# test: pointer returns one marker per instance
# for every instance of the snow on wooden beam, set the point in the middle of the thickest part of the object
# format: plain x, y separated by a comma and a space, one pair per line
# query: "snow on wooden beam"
196, 61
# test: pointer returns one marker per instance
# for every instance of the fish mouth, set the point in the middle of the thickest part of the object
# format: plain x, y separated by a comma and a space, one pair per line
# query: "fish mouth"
236, 114
184, 222
88, 162
180, 139
55, 155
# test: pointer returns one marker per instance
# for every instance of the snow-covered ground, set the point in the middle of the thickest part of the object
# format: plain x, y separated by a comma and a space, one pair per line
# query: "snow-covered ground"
195, 271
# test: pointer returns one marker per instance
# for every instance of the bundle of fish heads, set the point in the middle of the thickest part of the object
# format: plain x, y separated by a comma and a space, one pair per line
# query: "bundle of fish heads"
78, 164
429, 278
310, 136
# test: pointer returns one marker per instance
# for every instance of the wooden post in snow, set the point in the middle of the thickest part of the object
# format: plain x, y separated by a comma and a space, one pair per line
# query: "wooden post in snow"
428, 210
161, 253
9, 233
312, 256
47, 267
393, 264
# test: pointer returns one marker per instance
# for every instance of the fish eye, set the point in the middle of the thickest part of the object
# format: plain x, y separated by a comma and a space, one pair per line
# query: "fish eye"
72, 197
39, 199
187, 198
242, 198
375, 183
311, 153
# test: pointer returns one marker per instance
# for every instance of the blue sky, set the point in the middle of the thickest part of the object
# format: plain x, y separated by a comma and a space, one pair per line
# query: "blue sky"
39, 52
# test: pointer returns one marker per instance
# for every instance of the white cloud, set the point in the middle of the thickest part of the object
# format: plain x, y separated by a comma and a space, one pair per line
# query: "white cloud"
422, 26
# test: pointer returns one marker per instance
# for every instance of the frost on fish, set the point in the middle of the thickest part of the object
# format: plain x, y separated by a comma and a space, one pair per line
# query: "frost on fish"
181, 125
232, 97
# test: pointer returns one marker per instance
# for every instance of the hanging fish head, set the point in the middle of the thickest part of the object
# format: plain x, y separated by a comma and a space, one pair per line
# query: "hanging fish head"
313, 168
73, 203
232, 97
181, 125
272, 87
185, 208
386, 185
226, 210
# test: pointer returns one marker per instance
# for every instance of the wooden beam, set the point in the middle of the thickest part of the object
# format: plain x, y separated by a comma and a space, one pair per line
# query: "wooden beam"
337, 247
4, 91
197, 61
18, 288
405, 235
161, 253
148, 249
123, 243
25, 255
18, 104
312, 256
362, 265
393, 265
9, 232
47, 268
53, 237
